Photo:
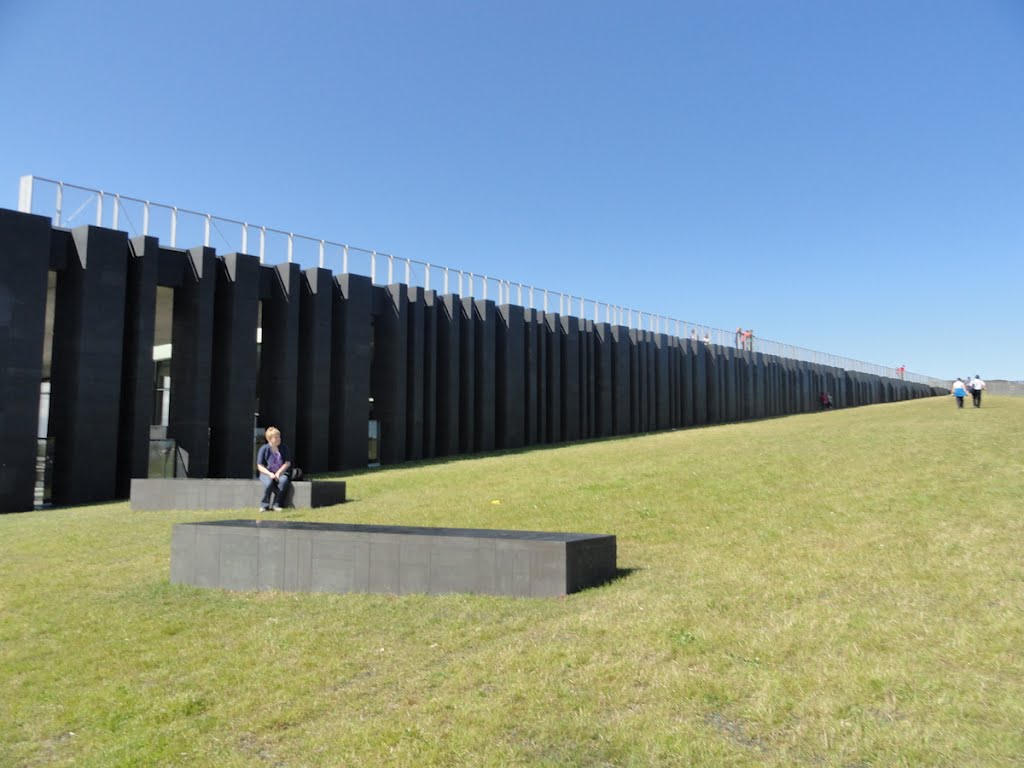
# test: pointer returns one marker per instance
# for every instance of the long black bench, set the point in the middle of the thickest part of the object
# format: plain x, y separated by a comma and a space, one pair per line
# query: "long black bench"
192, 493
334, 557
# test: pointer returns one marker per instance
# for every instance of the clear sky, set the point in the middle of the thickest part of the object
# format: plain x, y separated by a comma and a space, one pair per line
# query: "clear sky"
846, 176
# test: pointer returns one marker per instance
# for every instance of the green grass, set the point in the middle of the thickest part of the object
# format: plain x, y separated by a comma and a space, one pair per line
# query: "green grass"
836, 589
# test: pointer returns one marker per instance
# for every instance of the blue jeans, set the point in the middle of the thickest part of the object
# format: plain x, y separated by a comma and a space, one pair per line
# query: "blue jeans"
274, 488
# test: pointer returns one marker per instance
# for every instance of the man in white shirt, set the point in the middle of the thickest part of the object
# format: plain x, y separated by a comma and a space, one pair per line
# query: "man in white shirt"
976, 386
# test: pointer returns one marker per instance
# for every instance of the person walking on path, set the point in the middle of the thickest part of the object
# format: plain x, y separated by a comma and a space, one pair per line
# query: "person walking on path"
959, 391
976, 386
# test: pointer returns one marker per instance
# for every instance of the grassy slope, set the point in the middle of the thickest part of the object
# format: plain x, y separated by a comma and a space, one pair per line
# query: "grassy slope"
830, 589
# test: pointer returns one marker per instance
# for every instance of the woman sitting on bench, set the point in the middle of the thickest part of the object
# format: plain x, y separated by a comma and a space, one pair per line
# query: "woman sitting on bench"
273, 462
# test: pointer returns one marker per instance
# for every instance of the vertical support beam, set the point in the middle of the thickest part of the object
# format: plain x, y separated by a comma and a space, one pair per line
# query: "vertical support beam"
192, 360
511, 379
486, 372
430, 370
621, 386
390, 358
553, 384
662, 412
449, 325
650, 383
533, 371
137, 371
603, 357
637, 383
88, 345
415, 375
698, 360
279, 357
316, 309
352, 322
233, 381
571, 396
468, 442
686, 366
24, 263
758, 370
711, 379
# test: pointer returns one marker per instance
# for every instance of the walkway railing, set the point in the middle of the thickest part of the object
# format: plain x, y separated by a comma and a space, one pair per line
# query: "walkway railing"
71, 205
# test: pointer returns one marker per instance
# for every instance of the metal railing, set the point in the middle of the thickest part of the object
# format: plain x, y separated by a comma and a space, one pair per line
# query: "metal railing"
74, 205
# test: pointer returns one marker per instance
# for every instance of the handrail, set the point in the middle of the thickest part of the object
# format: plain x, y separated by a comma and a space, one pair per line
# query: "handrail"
415, 272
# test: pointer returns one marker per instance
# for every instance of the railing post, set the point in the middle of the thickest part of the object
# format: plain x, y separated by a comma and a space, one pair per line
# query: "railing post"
245, 238
344, 259
408, 272
60, 203
174, 228
373, 267
321, 254
263, 242
145, 218
25, 194
290, 246
391, 269
99, 209
206, 231
117, 208
446, 280
426, 277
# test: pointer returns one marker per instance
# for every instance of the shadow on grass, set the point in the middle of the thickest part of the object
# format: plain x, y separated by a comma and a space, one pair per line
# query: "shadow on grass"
620, 574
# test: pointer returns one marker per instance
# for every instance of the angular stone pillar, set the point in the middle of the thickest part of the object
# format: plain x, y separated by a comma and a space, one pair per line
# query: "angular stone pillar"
511, 379
588, 379
85, 382
698, 361
621, 386
449, 325
233, 380
637, 383
279, 355
711, 380
534, 370
430, 369
352, 326
651, 382
390, 358
603, 391
316, 317
662, 398
192, 359
468, 442
486, 373
415, 377
553, 385
571, 398
24, 263
138, 369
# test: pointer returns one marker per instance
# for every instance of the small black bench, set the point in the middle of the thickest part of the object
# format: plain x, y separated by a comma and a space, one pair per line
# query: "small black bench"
193, 493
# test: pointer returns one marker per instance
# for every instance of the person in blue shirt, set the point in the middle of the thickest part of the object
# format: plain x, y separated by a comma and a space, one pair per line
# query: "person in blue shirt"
273, 461
959, 391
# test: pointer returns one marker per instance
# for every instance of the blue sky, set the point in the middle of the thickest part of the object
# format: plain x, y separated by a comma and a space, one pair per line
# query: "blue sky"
843, 176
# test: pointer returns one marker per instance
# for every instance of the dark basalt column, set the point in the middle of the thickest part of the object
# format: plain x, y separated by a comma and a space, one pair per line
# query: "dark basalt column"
24, 263
233, 383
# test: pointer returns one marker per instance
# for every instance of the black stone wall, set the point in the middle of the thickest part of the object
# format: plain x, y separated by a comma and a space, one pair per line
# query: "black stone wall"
446, 374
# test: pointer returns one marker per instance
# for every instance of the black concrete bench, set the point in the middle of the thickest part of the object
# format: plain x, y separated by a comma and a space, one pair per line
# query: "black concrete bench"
333, 557
191, 493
